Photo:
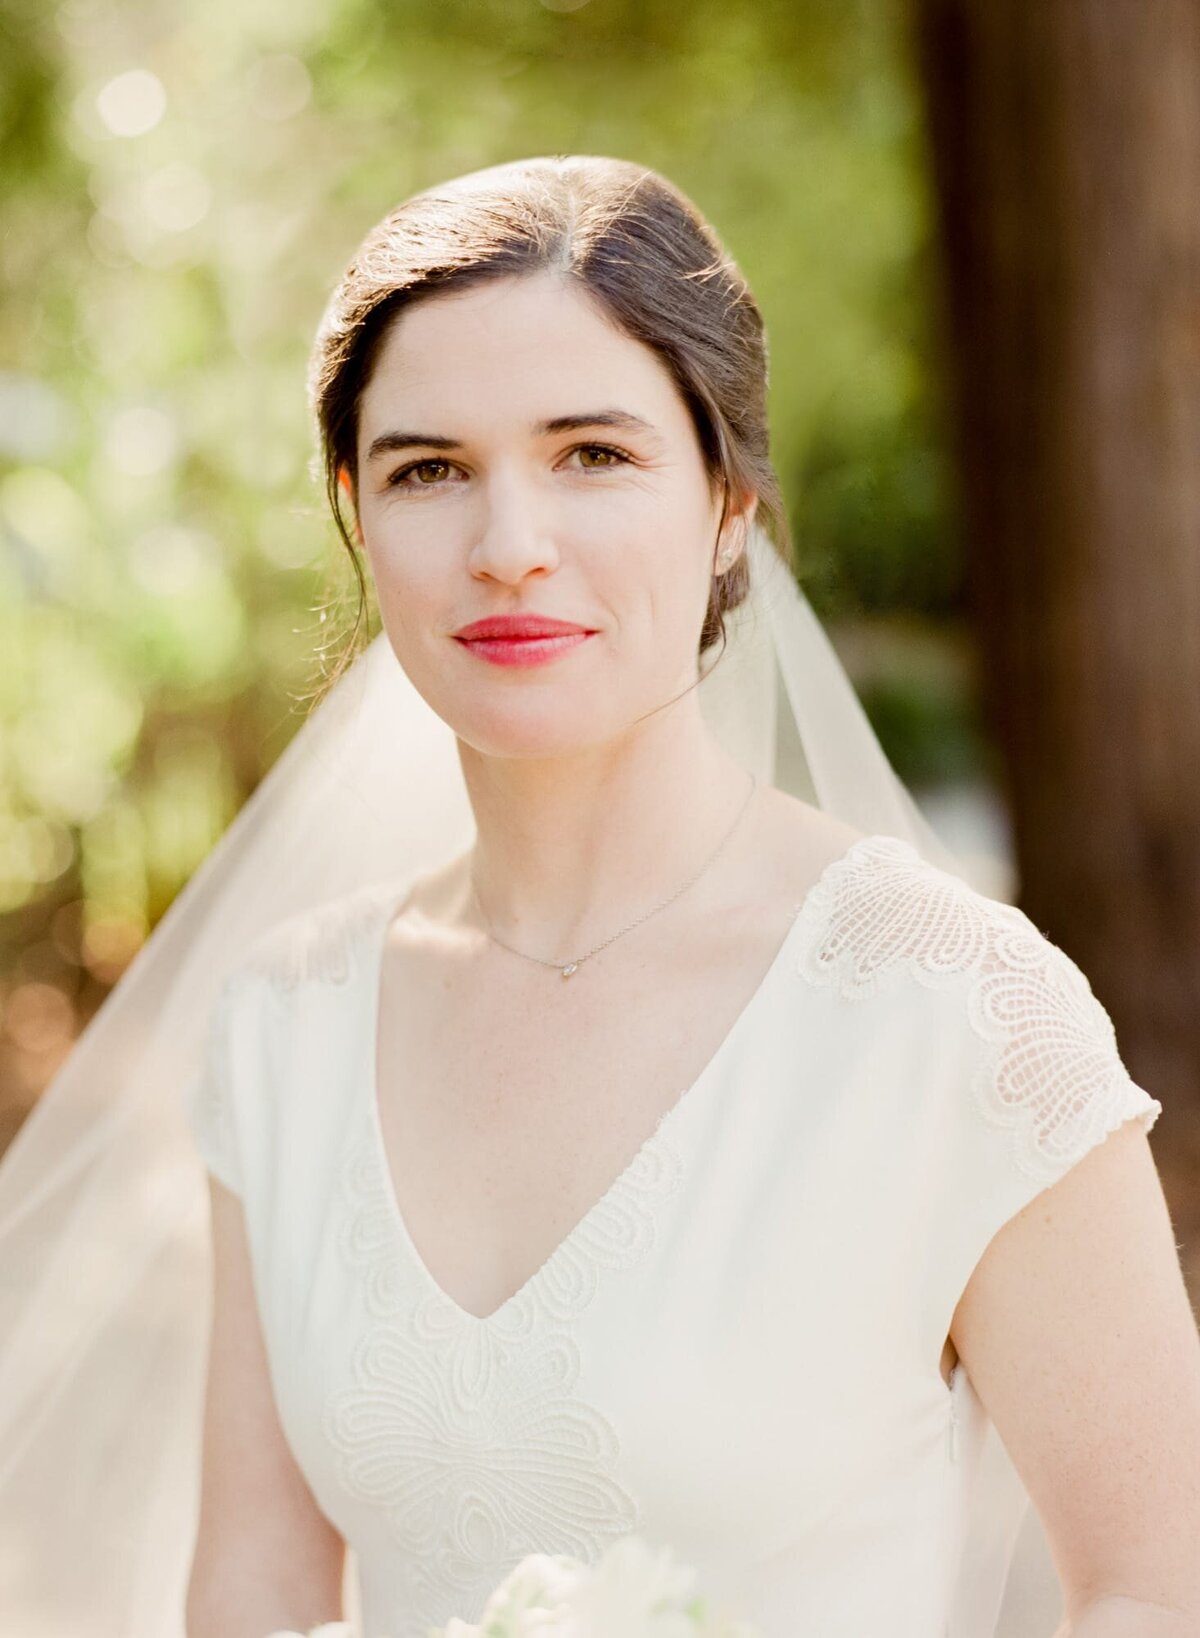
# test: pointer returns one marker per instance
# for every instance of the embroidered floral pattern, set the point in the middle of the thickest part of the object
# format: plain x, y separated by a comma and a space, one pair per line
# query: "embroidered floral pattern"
317, 945
1052, 1075
468, 1433
314, 945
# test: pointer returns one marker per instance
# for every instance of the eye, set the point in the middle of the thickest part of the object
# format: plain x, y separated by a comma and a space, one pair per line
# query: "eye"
398, 480
610, 456
431, 473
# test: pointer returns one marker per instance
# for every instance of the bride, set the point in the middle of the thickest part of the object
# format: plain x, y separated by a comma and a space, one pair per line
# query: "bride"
661, 1134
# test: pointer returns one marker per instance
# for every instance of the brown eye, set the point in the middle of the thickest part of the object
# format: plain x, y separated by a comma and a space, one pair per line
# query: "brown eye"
403, 478
608, 457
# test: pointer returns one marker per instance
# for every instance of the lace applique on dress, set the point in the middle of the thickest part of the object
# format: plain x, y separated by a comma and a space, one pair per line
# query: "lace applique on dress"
317, 945
469, 1433
1052, 1074
309, 946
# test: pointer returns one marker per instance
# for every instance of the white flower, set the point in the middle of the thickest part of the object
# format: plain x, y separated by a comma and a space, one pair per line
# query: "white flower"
638, 1592
331, 1629
531, 1597
634, 1591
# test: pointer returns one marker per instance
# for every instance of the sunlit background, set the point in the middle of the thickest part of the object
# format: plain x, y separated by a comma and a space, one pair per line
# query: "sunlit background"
182, 184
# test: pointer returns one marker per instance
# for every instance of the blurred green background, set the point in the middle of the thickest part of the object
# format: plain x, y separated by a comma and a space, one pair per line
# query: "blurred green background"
181, 186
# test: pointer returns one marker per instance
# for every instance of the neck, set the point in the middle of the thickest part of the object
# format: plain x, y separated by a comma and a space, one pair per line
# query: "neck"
570, 848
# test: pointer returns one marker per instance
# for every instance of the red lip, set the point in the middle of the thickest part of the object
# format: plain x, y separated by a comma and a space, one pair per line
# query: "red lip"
514, 626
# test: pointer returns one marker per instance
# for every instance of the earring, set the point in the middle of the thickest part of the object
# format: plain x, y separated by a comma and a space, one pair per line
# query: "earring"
726, 558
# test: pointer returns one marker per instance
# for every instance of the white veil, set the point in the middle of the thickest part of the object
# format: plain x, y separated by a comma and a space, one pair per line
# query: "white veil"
104, 1254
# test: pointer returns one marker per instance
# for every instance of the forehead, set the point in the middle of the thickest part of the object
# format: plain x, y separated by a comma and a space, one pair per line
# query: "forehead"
521, 349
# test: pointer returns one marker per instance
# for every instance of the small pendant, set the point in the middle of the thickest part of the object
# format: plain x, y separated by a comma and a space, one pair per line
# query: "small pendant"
569, 969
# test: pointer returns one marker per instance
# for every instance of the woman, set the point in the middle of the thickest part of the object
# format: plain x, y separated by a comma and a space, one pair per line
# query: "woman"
660, 1160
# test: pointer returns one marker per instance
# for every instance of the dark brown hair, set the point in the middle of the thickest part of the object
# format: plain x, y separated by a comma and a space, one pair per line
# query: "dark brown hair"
643, 252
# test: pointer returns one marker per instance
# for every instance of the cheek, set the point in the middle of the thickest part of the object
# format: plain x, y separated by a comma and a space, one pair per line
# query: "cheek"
404, 547
419, 548
412, 594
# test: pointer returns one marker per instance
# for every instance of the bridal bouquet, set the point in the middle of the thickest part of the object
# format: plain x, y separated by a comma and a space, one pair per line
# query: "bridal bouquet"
634, 1591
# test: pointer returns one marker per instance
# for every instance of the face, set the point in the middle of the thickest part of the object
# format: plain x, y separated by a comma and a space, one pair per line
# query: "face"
519, 456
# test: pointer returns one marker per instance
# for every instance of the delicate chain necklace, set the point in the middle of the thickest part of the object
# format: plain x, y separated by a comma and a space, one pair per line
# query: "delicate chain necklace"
568, 968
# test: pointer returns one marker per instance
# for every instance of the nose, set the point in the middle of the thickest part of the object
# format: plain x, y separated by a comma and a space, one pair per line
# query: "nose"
514, 536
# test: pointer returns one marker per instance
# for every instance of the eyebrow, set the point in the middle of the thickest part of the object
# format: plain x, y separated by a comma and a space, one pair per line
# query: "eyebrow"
621, 420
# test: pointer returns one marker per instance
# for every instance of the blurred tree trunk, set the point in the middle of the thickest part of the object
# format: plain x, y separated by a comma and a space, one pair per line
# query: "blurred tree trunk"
1065, 150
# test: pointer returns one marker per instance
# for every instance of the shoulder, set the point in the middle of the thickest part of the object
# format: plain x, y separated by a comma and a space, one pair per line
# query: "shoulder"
1047, 1066
317, 944
881, 912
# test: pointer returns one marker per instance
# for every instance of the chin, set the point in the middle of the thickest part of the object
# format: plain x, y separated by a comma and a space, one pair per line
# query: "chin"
562, 725
529, 740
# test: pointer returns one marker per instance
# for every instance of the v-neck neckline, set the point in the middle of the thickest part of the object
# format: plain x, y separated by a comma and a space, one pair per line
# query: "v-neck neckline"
373, 966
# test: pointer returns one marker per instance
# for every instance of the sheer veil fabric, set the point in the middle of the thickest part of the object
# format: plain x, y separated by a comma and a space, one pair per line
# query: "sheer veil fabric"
104, 1245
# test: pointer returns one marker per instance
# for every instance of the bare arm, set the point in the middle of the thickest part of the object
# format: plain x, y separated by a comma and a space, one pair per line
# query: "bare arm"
1128, 1618
1077, 1331
266, 1557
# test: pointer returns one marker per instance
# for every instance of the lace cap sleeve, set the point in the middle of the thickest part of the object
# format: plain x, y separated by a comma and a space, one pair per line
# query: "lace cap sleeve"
1051, 1074
1028, 1076
208, 1099
234, 1089
1049, 1083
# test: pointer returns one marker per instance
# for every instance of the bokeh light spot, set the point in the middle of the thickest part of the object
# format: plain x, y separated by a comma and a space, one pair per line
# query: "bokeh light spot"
109, 945
39, 1017
141, 439
170, 559
281, 87
132, 103
177, 197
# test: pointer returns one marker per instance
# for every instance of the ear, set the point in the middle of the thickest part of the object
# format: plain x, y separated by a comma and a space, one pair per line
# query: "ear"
735, 533
346, 484
749, 509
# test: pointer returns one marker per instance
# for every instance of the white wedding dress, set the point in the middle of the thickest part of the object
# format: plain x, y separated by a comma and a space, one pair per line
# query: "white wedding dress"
736, 1351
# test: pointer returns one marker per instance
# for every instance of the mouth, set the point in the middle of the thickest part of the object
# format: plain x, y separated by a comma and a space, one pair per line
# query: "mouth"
525, 650
527, 624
